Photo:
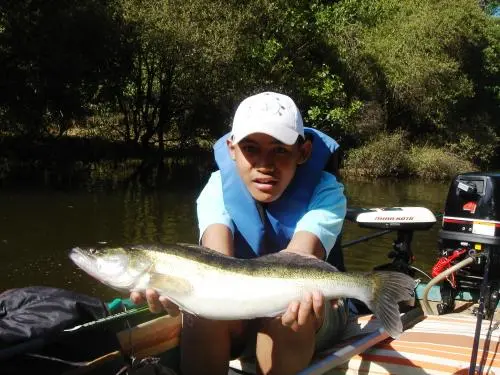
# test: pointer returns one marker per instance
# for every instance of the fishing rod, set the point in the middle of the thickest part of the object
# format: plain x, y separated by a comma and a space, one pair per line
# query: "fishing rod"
121, 315
366, 238
480, 315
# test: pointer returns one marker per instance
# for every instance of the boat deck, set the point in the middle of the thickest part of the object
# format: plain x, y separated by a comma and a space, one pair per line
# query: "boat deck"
437, 344
432, 344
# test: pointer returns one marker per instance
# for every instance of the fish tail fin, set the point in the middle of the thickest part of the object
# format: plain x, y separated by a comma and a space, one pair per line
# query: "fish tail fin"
390, 288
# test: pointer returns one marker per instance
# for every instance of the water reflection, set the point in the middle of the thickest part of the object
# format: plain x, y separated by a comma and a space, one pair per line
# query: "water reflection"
38, 225
157, 215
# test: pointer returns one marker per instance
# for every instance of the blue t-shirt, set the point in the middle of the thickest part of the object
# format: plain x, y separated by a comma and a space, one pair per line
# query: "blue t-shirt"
324, 217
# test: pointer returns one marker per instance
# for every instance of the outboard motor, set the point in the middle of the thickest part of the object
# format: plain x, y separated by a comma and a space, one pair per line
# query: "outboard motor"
471, 227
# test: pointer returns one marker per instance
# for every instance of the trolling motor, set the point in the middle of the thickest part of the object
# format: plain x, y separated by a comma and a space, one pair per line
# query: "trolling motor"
403, 220
471, 228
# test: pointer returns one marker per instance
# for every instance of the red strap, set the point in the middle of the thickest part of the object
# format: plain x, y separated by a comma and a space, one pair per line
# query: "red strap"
445, 263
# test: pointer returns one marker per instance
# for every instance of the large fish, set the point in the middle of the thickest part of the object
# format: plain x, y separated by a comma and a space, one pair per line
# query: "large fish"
209, 284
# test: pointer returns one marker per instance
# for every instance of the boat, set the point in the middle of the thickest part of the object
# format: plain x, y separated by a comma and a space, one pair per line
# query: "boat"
453, 327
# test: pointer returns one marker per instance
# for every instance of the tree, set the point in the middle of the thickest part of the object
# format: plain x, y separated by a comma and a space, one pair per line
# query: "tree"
182, 73
429, 66
55, 57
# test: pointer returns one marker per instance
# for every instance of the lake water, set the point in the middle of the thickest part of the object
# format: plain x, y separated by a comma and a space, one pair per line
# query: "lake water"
38, 225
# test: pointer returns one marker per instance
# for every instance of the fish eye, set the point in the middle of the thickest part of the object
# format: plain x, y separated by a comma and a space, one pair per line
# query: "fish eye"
95, 251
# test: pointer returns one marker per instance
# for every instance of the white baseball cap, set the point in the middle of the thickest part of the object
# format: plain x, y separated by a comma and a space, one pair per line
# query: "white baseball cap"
269, 113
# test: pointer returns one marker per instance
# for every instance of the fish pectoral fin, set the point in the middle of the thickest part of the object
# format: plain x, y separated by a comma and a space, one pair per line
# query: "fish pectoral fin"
184, 310
170, 284
274, 314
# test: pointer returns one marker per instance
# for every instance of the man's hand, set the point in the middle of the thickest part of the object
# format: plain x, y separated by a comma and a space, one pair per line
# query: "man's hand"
298, 313
312, 306
155, 302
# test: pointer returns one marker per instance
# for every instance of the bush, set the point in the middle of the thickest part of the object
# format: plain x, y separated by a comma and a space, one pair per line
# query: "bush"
390, 155
436, 164
383, 157
481, 149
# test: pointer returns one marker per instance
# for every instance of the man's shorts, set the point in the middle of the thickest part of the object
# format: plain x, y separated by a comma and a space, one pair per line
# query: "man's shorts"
328, 334
333, 325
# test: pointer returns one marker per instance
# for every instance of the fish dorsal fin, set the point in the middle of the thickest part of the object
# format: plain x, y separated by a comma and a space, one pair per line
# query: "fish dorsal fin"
294, 260
169, 285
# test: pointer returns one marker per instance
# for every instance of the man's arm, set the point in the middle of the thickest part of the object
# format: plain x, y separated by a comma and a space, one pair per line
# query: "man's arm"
214, 223
218, 237
318, 228
323, 219
312, 304
307, 243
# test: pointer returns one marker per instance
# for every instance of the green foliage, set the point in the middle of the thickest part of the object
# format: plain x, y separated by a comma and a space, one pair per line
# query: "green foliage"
481, 151
281, 48
167, 71
331, 110
433, 163
390, 155
429, 64
421, 62
181, 72
491, 65
491, 6
383, 157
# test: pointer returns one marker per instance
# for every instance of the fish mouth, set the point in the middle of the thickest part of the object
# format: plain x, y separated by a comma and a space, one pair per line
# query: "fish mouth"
115, 273
84, 260
80, 257
88, 261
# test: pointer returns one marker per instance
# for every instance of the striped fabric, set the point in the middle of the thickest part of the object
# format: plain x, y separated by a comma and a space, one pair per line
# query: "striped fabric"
435, 345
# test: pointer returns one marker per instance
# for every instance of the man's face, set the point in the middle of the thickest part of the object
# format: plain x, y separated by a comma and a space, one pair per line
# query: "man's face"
266, 165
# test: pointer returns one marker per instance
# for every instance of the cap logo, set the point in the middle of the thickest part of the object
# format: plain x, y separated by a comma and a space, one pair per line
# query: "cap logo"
271, 107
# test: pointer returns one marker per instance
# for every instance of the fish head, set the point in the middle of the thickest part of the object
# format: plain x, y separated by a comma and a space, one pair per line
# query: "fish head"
113, 266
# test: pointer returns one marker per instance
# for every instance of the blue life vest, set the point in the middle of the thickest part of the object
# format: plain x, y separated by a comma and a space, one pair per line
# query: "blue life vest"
254, 235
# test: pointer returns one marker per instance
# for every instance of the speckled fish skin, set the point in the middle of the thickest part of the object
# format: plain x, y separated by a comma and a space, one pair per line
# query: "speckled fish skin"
209, 284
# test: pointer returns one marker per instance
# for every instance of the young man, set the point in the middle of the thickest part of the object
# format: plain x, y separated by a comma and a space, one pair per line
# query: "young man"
270, 194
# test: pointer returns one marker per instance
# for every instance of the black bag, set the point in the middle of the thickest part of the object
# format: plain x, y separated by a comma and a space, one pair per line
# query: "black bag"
32, 324
38, 312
